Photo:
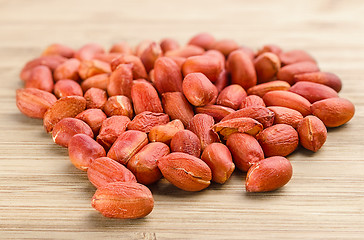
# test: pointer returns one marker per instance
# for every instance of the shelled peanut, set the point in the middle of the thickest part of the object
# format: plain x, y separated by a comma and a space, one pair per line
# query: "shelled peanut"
190, 114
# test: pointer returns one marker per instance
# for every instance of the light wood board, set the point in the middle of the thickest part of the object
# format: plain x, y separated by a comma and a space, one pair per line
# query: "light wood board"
42, 196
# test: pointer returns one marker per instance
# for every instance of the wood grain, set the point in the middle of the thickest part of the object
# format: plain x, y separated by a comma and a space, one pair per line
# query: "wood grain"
42, 196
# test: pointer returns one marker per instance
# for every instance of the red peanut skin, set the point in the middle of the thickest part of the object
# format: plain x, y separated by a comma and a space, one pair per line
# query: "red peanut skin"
82, 150
203, 40
231, 96
208, 65
93, 118
120, 81
33, 102
288, 72
138, 68
266, 66
187, 142
313, 92
261, 114
177, 107
40, 78
218, 112
95, 98
67, 70
326, 78
283, 115
289, 100
312, 133
118, 105
98, 81
278, 140
125, 200
185, 171
245, 150
168, 44
110, 129
333, 112
52, 62
64, 107
201, 125
270, 48
295, 56
121, 47
150, 55
88, 51
58, 49
167, 76
198, 89
218, 157
145, 97
126, 145
252, 101
66, 128
66, 87
241, 69
145, 121
104, 170
268, 174
225, 46
186, 51
144, 163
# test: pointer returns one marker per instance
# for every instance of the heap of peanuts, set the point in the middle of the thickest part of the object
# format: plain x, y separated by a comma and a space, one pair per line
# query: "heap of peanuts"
190, 114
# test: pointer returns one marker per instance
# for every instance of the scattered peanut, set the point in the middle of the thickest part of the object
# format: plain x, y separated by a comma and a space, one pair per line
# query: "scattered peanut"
200, 101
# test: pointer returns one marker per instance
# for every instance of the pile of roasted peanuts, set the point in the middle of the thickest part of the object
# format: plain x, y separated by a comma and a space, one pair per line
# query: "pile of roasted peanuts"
187, 113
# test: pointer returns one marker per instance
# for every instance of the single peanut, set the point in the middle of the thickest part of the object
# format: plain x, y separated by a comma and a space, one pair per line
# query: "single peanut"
33, 102
268, 174
66, 87
231, 96
289, 100
245, 150
95, 98
218, 157
82, 150
187, 142
145, 121
278, 140
65, 129
118, 105
333, 112
267, 66
104, 170
41, 78
126, 145
283, 115
312, 133
218, 112
198, 89
185, 171
144, 163
93, 118
111, 128
326, 78
313, 92
126, 200
241, 69
201, 125
177, 107
145, 97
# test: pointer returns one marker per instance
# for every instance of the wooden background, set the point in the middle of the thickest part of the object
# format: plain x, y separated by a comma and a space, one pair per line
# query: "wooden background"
42, 196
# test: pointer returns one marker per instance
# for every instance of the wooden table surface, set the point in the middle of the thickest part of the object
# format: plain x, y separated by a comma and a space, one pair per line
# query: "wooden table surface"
42, 196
